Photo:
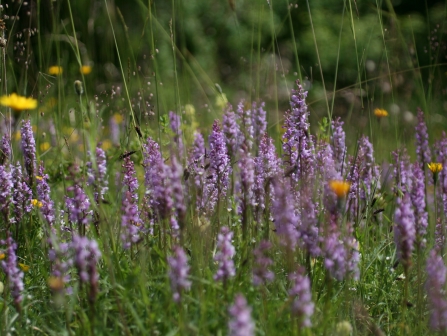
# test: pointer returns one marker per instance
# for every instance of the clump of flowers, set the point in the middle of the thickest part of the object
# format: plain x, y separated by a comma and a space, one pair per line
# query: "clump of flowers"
423, 152
86, 258
404, 231
300, 293
29, 149
13, 273
224, 255
178, 273
5, 190
220, 169
43, 194
21, 194
241, 323
261, 273
435, 286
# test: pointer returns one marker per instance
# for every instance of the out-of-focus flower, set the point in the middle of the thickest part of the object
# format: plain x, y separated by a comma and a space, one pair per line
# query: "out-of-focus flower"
44, 146
86, 258
241, 323
380, 113
419, 203
178, 272
423, 152
18, 103
55, 70
23, 267
435, 286
261, 273
55, 283
43, 193
106, 145
338, 144
86, 69
36, 203
225, 255
6, 185
21, 194
404, 231
340, 188
343, 328
28, 145
13, 273
302, 305
5, 149
118, 118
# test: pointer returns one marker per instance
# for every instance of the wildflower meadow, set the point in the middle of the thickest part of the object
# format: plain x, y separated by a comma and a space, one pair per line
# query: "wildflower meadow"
232, 167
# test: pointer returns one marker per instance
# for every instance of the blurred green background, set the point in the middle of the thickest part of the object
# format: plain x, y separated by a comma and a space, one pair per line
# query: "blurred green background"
352, 56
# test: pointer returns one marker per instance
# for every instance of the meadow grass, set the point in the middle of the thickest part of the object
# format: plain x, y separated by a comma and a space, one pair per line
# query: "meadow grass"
208, 168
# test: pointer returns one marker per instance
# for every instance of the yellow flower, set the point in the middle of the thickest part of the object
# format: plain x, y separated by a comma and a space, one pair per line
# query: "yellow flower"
25, 268
2, 256
55, 70
56, 283
18, 103
117, 118
36, 203
340, 188
17, 135
86, 69
380, 113
44, 146
435, 167
106, 144
40, 178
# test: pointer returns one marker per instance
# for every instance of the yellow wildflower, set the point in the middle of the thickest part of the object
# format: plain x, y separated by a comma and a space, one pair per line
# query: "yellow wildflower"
86, 69
17, 135
55, 70
117, 118
45, 146
106, 144
24, 268
435, 167
2, 256
340, 188
18, 103
56, 283
380, 113
36, 203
